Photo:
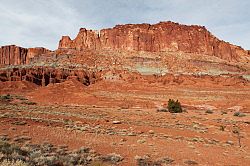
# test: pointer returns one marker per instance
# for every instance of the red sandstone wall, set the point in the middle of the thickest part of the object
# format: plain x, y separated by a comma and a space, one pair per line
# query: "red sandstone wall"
164, 36
14, 55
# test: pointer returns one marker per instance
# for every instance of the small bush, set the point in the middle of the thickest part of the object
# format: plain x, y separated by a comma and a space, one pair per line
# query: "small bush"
223, 112
174, 106
113, 158
209, 112
222, 128
8, 149
239, 114
28, 103
7, 97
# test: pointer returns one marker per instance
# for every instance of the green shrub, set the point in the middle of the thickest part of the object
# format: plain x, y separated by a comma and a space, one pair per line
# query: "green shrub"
7, 97
174, 106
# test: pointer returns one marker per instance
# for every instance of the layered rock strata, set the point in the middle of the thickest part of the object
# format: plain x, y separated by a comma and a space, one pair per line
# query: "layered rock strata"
43, 76
164, 36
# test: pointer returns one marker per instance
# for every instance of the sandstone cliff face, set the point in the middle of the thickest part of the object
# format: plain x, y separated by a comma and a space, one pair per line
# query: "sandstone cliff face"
164, 36
32, 52
14, 55
43, 76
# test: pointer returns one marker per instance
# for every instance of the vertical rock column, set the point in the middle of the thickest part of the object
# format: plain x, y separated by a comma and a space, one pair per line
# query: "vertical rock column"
43, 79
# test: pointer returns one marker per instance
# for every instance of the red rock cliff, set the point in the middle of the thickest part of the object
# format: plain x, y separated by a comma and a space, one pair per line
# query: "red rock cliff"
14, 55
32, 52
164, 36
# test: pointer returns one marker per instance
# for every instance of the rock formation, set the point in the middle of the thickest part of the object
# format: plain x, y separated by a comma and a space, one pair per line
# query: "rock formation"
14, 55
32, 52
136, 49
164, 36
43, 76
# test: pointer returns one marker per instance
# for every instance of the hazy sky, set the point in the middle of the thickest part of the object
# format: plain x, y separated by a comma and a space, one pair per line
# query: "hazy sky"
31, 23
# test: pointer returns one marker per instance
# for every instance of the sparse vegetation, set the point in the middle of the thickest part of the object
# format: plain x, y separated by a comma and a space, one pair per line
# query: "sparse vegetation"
113, 158
236, 131
145, 160
174, 106
21, 98
48, 154
6, 97
222, 128
13, 163
209, 111
191, 162
223, 112
239, 114
78, 119
28, 103
21, 123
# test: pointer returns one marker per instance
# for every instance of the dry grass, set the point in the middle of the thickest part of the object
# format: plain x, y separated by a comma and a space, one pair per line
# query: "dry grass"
13, 163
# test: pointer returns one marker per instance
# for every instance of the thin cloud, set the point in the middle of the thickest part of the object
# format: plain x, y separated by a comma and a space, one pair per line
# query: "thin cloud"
32, 23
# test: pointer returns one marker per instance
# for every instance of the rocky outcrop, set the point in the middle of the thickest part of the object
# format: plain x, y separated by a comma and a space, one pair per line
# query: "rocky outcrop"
43, 76
14, 55
164, 36
32, 52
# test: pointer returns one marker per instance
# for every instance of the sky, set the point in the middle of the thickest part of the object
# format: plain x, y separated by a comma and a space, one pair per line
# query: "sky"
41, 23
